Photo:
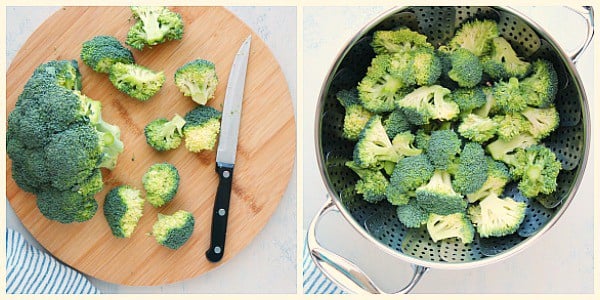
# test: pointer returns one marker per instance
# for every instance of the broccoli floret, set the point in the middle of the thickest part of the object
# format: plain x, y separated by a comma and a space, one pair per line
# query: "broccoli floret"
474, 36
66, 206
64, 73
396, 123
411, 214
472, 169
409, 174
495, 216
469, 99
541, 86
102, 51
403, 144
161, 182
384, 81
123, 208
543, 121
162, 134
172, 231
426, 103
202, 126
427, 66
511, 125
372, 183
509, 96
374, 146
356, 116
136, 81
154, 25
497, 177
538, 168
442, 148
503, 62
197, 79
490, 103
466, 69
437, 196
504, 151
477, 129
457, 225
401, 40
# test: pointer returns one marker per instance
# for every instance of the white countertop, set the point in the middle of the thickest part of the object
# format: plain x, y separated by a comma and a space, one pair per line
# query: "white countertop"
561, 261
268, 264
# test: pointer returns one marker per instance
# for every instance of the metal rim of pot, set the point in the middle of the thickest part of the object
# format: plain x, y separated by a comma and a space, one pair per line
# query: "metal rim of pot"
350, 277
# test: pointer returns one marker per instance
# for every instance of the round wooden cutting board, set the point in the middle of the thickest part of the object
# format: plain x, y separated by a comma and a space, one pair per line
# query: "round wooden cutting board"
265, 157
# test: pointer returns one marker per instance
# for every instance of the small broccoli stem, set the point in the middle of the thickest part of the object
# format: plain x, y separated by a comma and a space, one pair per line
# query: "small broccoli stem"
112, 144
152, 28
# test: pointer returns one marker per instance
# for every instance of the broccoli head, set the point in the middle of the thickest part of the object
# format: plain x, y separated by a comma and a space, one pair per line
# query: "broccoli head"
411, 215
474, 36
426, 103
372, 183
504, 150
495, 216
503, 62
409, 173
382, 85
437, 196
477, 129
457, 225
173, 231
442, 148
161, 182
202, 126
396, 123
123, 208
427, 66
66, 206
509, 96
538, 168
542, 121
154, 25
102, 51
356, 116
197, 79
64, 73
400, 40
374, 146
472, 169
466, 69
162, 134
541, 86
511, 125
469, 99
497, 178
136, 81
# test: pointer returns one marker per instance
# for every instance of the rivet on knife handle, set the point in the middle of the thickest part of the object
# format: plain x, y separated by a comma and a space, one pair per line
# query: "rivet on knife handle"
220, 213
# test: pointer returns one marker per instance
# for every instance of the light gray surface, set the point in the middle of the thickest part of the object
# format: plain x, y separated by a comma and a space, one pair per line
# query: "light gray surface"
560, 262
268, 264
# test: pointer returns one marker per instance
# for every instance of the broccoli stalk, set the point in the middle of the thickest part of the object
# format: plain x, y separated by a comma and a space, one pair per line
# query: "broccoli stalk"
197, 79
495, 216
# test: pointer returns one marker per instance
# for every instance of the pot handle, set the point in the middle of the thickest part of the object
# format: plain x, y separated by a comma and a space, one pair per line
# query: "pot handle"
343, 272
587, 13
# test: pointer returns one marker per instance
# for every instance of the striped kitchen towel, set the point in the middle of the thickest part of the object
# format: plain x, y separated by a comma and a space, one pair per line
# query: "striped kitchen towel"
315, 282
32, 271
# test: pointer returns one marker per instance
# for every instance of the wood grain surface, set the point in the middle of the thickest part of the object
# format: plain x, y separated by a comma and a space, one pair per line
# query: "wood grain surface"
265, 158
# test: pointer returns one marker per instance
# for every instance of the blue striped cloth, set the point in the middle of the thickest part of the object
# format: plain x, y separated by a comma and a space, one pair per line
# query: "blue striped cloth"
32, 271
315, 282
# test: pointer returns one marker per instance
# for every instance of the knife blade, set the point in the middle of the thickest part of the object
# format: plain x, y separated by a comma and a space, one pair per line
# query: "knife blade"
226, 150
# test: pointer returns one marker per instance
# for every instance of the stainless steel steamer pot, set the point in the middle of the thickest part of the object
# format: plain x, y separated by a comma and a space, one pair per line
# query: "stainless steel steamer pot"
377, 222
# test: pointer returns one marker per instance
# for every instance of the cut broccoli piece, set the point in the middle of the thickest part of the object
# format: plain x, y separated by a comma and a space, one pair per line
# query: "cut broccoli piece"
66, 206
474, 36
469, 99
511, 125
154, 25
411, 215
426, 103
505, 150
490, 103
136, 81
472, 169
173, 231
161, 182
477, 129
466, 68
162, 134
495, 216
372, 183
384, 81
396, 123
538, 168
427, 66
509, 96
543, 121
400, 40
123, 208
102, 51
442, 148
503, 62
441, 227
202, 126
197, 79
541, 86
356, 116
374, 146
403, 144
497, 178
409, 174
438, 196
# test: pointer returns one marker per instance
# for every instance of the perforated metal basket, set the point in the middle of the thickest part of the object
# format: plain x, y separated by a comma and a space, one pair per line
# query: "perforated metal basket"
378, 222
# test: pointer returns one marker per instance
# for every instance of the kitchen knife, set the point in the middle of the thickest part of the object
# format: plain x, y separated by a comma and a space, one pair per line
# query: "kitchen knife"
230, 125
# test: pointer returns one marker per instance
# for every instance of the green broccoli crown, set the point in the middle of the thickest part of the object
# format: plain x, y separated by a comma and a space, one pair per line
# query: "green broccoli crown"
442, 148
472, 169
163, 135
474, 36
538, 168
477, 129
427, 66
509, 96
172, 231
497, 177
383, 83
511, 125
469, 99
457, 225
541, 86
466, 68
396, 123
161, 182
197, 79
356, 116
374, 146
409, 173
542, 121
123, 208
66, 206
495, 216
503, 62
136, 81
504, 150
102, 51
400, 40
438, 196
411, 214
202, 126
372, 183
154, 25
426, 103
64, 73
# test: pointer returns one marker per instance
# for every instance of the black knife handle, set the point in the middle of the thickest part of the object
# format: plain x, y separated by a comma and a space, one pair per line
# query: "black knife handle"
220, 213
